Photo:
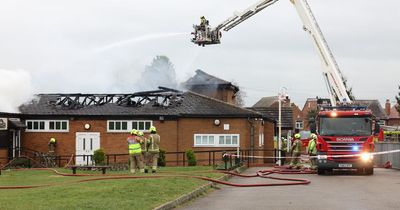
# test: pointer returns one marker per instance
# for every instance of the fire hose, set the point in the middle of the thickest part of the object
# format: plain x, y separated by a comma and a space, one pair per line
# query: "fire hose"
260, 174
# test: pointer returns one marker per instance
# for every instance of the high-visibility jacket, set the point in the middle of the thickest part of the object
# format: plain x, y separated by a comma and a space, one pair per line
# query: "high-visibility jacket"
312, 147
134, 145
154, 143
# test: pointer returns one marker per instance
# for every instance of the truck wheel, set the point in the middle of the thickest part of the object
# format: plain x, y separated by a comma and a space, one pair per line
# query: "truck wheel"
369, 171
321, 171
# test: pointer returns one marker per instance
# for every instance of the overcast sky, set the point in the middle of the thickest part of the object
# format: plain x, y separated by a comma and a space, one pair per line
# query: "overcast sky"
92, 46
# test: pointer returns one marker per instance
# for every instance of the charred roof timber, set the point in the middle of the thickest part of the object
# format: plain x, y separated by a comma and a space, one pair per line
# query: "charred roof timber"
164, 97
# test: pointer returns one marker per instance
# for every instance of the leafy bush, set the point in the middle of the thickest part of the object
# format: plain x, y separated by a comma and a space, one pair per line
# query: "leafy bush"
191, 157
99, 157
161, 158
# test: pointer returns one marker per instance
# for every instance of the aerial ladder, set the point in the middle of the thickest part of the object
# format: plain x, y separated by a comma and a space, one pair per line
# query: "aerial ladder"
346, 134
335, 82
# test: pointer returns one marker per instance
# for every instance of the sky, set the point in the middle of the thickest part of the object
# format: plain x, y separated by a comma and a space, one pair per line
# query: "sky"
100, 46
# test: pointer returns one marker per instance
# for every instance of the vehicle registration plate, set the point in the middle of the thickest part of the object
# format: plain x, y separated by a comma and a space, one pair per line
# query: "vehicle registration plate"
342, 165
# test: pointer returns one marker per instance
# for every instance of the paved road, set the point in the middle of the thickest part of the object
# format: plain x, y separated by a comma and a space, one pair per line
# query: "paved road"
340, 191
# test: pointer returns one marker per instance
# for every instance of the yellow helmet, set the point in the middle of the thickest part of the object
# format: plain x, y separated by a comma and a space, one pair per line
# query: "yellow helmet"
313, 136
134, 132
140, 133
153, 129
297, 136
53, 140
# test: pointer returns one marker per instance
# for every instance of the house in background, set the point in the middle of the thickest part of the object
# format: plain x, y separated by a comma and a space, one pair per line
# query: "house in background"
211, 86
82, 123
392, 113
291, 116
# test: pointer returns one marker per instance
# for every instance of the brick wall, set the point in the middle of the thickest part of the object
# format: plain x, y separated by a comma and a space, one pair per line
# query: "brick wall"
176, 135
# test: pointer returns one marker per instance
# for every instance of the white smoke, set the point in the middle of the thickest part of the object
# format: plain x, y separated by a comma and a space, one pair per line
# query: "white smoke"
15, 89
137, 40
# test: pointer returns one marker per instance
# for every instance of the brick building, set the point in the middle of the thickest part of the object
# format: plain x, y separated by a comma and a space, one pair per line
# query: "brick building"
392, 113
211, 86
82, 123
291, 116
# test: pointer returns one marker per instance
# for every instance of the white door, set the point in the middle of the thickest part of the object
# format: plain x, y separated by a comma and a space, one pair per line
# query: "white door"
86, 144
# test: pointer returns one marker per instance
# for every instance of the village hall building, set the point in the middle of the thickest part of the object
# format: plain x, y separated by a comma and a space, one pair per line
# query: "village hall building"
82, 123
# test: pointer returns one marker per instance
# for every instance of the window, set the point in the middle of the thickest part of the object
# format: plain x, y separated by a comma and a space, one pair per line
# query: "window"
261, 139
47, 125
127, 125
299, 125
223, 140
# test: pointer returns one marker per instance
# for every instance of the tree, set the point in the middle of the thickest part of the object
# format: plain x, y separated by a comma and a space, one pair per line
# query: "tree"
311, 114
160, 72
239, 96
398, 101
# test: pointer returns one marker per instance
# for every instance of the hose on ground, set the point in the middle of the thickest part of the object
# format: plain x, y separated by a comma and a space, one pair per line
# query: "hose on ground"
265, 174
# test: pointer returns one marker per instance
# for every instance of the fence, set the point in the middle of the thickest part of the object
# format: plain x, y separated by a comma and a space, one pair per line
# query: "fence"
393, 157
208, 157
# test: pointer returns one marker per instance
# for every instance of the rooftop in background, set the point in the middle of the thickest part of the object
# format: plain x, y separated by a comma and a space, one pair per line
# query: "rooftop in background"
204, 79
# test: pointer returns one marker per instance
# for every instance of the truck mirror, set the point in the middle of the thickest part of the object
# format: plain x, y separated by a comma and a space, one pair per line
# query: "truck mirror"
377, 128
313, 127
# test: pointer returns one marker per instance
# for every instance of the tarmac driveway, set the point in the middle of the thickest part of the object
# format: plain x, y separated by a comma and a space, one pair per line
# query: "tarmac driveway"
339, 191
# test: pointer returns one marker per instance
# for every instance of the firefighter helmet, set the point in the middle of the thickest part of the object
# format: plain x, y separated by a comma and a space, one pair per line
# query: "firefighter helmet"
297, 136
313, 136
134, 132
153, 129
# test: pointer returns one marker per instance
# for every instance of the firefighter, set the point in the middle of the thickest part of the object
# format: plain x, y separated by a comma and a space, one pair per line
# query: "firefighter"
312, 150
135, 151
143, 145
153, 148
283, 149
203, 22
52, 145
296, 151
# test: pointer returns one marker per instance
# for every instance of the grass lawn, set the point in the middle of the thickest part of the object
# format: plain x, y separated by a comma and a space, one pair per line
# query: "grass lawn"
66, 193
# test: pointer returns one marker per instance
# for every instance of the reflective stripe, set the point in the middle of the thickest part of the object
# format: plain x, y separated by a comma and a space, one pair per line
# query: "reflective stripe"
135, 148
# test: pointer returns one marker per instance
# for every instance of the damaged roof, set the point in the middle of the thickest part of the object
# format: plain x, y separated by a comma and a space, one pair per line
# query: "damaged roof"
201, 78
191, 105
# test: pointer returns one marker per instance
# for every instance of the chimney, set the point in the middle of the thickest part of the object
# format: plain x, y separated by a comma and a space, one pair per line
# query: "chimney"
387, 107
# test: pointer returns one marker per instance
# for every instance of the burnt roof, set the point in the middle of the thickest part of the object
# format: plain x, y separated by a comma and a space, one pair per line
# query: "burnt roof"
191, 105
202, 78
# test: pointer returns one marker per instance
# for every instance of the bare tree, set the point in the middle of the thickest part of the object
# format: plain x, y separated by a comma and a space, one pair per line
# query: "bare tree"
398, 101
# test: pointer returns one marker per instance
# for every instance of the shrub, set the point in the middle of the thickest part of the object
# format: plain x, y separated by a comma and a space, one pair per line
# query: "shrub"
161, 158
191, 157
99, 157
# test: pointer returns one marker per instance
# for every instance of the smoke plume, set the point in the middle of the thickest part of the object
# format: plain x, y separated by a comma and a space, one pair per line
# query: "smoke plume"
15, 89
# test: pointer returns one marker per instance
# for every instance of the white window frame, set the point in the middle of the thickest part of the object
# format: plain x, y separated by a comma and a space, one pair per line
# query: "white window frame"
299, 125
47, 126
216, 140
129, 126
261, 139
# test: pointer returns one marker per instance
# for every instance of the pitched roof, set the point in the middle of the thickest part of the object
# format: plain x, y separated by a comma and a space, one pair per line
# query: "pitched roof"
204, 79
266, 101
192, 105
273, 113
374, 106
394, 113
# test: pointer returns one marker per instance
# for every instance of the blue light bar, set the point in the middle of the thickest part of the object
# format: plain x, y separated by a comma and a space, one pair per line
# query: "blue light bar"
355, 148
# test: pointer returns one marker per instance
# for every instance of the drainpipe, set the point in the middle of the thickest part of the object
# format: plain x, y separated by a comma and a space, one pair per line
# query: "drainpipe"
251, 123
